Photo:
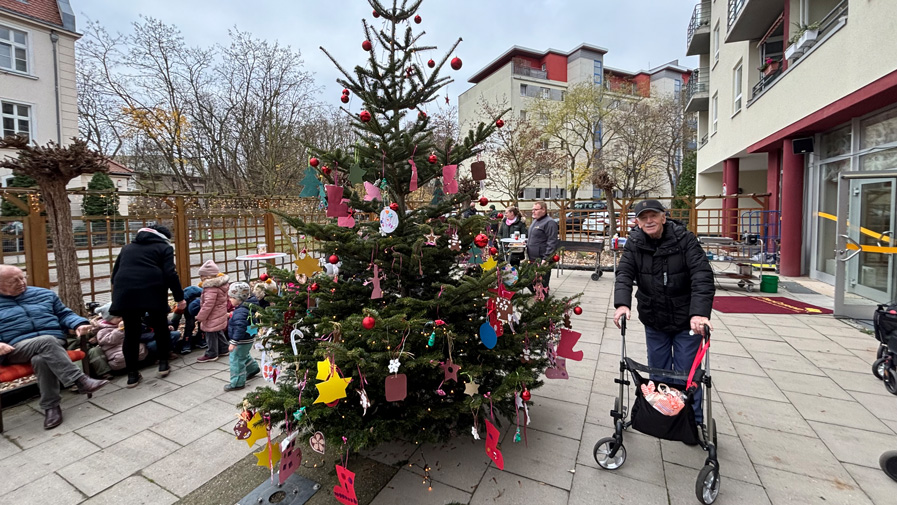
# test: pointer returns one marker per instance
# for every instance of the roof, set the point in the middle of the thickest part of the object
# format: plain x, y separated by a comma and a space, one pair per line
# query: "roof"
57, 13
499, 62
116, 168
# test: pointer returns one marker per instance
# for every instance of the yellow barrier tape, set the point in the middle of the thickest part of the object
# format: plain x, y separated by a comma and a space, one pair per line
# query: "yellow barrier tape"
864, 231
873, 249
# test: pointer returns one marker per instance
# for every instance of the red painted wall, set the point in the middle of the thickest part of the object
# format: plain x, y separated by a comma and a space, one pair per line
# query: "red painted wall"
556, 65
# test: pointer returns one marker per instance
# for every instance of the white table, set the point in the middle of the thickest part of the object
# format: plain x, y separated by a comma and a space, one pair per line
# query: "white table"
512, 245
247, 260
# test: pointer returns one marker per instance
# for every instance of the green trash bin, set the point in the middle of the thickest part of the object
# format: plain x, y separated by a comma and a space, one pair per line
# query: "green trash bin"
769, 283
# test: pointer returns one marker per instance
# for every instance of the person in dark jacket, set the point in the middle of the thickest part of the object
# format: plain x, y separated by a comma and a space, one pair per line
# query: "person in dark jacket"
33, 326
675, 289
512, 222
542, 238
242, 365
141, 278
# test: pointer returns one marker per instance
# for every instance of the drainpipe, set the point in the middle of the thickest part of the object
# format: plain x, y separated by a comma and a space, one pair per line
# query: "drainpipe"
54, 38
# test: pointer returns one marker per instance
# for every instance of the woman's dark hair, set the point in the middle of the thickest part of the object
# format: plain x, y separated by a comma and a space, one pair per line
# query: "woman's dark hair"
161, 229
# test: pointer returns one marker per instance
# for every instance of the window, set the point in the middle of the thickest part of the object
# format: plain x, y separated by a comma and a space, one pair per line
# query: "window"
677, 86
523, 115
563, 95
544, 143
598, 72
523, 90
714, 106
598, 133
13, 49
16, 119
545, 93
543, 67
716, 43
538, 193
736, 92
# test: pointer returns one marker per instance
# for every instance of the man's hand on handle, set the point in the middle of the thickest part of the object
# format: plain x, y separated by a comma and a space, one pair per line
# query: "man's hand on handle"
697, 324
620, 312
82, 330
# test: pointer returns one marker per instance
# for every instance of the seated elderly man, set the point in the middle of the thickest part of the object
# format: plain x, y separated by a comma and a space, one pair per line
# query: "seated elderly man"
33, 325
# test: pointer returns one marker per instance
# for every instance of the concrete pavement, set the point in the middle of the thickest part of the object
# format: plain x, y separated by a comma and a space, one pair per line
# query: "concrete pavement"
800, 420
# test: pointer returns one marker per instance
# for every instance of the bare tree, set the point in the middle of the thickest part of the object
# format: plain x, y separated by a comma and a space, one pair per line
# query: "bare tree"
679, 132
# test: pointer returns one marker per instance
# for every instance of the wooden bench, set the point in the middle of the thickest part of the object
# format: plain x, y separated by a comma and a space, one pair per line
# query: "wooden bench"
9, 373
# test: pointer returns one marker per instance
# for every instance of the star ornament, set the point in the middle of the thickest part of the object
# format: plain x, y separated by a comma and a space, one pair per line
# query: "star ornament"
490, 263
258, 430
450, 369
269, 456
431, 238
332, 389
324, 368
307, 266
471, 388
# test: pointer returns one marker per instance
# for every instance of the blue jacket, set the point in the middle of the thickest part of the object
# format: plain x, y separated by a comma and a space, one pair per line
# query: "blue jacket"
239, 322
35, 312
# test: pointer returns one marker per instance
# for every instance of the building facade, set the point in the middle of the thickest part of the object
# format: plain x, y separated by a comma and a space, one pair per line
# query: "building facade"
519, 76
791, 96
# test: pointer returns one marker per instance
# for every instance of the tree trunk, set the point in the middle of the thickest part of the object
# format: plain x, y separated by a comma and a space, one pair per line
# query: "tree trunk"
59, 214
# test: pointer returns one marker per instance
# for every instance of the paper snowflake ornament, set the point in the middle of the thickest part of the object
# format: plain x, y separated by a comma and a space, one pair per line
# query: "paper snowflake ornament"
394, 365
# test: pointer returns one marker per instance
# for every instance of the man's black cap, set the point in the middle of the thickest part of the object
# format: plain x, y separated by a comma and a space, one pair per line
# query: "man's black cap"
648, 205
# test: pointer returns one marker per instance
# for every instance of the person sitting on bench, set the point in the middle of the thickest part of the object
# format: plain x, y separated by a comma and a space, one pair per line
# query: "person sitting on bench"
33, 326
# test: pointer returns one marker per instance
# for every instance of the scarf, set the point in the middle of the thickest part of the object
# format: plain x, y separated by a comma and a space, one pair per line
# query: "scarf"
510, 221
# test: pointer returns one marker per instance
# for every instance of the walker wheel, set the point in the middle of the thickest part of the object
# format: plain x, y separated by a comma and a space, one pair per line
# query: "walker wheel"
888, 463
602, 451
740, 284
880, 353
707, 485
596, 276
890, 377
878, 368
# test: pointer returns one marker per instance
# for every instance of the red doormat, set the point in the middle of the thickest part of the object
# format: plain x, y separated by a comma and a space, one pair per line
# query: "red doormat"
764, 305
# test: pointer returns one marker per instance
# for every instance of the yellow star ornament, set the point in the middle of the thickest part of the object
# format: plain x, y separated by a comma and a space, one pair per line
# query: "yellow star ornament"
257, 428
308, 265
324, 368
332, 389
273, 450
489, 264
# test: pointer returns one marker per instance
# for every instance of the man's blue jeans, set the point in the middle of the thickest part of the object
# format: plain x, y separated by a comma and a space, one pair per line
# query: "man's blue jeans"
674, 351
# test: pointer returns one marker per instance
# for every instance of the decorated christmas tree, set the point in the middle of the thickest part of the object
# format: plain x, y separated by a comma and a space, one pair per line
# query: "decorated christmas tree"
417, 329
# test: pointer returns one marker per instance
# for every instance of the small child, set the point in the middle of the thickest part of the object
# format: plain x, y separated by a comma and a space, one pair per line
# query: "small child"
213, 310
262, 289
190, 340
242, 365
111, 336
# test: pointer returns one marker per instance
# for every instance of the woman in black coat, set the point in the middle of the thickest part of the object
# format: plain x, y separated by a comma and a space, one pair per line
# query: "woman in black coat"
512, 222
141, 278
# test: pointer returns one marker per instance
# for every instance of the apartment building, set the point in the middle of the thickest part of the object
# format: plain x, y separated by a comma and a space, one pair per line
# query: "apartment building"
520, 75
798, 98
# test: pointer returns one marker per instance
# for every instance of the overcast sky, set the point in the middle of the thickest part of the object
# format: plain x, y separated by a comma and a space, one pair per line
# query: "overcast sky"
638, 34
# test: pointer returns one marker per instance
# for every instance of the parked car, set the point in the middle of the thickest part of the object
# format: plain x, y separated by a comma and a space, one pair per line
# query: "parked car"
600, 222
12, 235
581, 211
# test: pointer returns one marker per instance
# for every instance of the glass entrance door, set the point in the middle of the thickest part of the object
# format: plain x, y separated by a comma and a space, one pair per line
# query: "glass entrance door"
867, 243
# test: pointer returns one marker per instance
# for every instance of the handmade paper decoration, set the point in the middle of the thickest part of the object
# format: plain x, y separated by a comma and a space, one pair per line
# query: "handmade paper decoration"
454, 242
372, 192
476, 255
335, 205
509, 275
471, 388
269, 369
307, 265
347, 221
291, 457
492, 446
488, 336
504, 310
559, 370
389, 220
396, 387
478, 170
365, 401
324, 369
539, 290
565, 346
431, 238
257, 428
449, 180
490, 263
450, 369
317, 442
377, 293
332, 389
345, 491
412, 186
269, 456
310, 184
394, 365
241, 430
356, 173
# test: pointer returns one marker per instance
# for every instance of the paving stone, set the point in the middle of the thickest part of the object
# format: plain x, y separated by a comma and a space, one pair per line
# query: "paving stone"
7, 448
729, 349
788, 363
722, 418
769, 346
21, 415
179, 473
24, 467
867, 343
746, 385
680, 482
849, 445
406, 487
545, 457
50, 488
733, 459
793, 453
117, 462
573, 390
826, 346
787, 488
593, 487
184, 376
600, 406
874, 483
882, 405
839, 412
867, 356
852, 381
133, 491
764, 413
505, 488
643, 461
557, 416
195, 423
460, 462
193, 394
584, 369
74, 417
395, 453
784, 321
757, 332
838, 362
808, 384
734, 364
124, 399
126, 423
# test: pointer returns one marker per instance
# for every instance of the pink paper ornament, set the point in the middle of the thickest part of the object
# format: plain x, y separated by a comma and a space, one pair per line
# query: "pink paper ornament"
449, 180
347, 221
559, 370
372, 192
565, 346
345, 491
291, 456
335, 205
396, 387
492, 446
413, 185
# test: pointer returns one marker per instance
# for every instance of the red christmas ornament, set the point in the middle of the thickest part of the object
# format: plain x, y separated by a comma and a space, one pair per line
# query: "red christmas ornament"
326, 170
345, 91
577, 310
555, 258
526, 395
366, 45
344, 99
456, 63
484, 201
313, 162
314, 286
368, 322
481, 240
500, 215
394, 206
493, 251
263, 277
376, 14
365, 116
432, 158
333, 259
439, 322
417, 19
431, 63
499, 123
422, 115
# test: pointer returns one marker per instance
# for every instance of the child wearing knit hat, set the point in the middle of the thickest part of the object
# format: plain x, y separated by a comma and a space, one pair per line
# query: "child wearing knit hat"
242, 365
213, 312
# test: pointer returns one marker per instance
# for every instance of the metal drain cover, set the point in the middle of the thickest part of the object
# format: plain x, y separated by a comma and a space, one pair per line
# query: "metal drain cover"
295, 491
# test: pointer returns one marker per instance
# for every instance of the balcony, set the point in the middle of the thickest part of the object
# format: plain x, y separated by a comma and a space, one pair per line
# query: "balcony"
751, 19
697, 91
528, 71
765, 82
699, 31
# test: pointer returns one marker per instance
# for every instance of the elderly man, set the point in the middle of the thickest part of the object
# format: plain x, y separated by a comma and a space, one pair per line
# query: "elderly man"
33, 325
542, 238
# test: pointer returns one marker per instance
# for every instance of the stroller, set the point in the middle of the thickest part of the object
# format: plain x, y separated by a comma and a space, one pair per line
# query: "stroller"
610, 453
885, 366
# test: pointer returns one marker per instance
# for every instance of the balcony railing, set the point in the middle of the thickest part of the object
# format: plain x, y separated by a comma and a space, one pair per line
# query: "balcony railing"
530, 71
697, 89
831, 21
700, 18
765, 82
735, 7
703, 140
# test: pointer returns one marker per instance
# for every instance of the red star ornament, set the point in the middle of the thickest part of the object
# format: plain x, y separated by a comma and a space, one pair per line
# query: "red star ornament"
450, 369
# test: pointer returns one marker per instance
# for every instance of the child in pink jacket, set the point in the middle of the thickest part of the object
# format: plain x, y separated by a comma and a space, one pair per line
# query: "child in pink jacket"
213, 312
111, 336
